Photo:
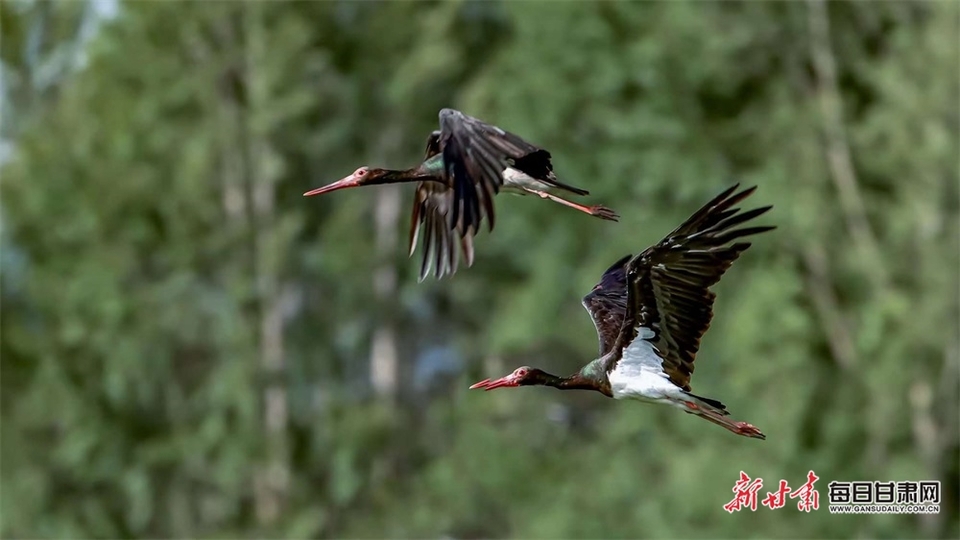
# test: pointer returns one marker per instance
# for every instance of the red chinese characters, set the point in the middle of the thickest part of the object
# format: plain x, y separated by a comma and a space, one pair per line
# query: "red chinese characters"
778, 498
809, 497
746, 489
745, 494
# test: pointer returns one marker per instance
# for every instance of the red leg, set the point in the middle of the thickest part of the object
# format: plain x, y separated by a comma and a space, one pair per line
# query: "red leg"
599, 211
740, 428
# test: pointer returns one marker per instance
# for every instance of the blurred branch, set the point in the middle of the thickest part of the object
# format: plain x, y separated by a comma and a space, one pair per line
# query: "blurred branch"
933, 436
925, 438
226, 104
838, 150
817, 278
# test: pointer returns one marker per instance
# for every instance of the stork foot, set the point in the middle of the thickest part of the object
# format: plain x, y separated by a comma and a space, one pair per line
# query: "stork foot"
603, 212
749, 430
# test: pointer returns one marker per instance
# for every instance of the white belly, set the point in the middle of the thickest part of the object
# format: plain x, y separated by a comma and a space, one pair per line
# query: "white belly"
639, 375
512, 178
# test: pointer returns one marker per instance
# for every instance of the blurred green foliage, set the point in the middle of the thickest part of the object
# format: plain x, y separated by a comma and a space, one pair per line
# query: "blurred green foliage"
190, 348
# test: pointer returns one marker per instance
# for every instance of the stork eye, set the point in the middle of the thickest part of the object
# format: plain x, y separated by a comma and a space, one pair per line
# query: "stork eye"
360, 172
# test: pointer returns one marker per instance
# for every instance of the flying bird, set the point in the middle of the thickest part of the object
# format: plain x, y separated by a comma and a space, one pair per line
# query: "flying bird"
467, 162
650, 311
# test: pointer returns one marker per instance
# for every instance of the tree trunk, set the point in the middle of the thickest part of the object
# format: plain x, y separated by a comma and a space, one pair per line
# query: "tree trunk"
384, 354
272, 481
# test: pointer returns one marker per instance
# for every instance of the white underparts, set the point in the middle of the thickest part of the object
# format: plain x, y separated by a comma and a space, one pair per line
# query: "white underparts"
516, 180
639, 375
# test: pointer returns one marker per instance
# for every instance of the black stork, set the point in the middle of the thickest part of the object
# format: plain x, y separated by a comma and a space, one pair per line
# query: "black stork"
466, 164
651, 310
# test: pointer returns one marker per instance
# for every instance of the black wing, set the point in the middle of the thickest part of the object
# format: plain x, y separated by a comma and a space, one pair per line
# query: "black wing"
432, 204
607, 304
475, 154
668, 285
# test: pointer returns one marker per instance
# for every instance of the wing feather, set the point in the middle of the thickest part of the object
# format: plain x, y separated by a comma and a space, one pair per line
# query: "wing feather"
476, 154
607, 304
668, 285
431, 208
440, 242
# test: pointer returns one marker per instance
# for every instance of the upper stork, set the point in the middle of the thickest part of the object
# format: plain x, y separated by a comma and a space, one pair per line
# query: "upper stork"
467, 162
651, 310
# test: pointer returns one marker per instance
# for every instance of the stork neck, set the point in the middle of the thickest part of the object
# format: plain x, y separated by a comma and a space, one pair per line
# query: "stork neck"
397, 177
574, 382
434, 164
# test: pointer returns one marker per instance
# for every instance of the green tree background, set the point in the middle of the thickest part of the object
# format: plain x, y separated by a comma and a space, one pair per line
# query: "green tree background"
192, 349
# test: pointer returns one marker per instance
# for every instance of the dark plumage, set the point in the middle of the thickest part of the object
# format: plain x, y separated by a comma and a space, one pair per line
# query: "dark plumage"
650, 311
668, 285
466, 164
607, 304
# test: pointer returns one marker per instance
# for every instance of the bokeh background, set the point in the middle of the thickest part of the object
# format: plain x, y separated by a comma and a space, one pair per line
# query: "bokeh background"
190, 348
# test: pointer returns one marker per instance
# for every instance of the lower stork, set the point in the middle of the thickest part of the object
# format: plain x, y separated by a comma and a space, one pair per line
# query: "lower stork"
650, 311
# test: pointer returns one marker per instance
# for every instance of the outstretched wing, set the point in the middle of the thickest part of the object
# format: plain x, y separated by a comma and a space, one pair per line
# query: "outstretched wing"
433, 202
669, 301
475, 154
607, 304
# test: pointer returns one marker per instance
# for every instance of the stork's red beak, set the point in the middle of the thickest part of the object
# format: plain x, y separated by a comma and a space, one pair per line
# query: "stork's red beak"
487, 384
344, 183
